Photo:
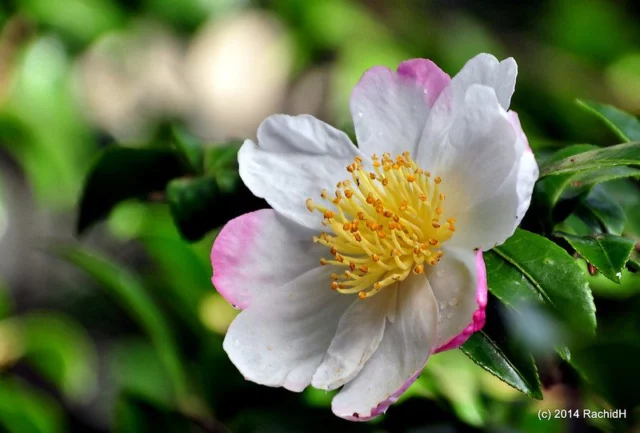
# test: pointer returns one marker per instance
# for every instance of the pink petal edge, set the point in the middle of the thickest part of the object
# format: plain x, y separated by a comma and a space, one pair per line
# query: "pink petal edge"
234, 236
427, 74
479, 315
384, 405
515, 122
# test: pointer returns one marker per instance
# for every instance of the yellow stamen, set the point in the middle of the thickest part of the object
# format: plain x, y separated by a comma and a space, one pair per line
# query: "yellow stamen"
400, 207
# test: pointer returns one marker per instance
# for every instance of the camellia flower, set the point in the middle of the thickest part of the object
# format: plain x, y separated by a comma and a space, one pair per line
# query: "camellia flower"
371, 259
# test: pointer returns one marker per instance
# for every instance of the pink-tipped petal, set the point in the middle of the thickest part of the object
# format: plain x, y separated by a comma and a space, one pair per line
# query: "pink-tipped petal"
281, 338
479, 315
428, 75
400, 357
390, 108
258, 252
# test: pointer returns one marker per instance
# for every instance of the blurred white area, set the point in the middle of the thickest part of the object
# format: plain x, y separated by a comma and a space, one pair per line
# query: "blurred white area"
222, 83
240, 67
129, 80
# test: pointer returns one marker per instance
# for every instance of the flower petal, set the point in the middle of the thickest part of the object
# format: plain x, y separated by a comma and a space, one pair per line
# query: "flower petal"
257, 253
401, 355
476, 156
485, 70
296, 157
359, 333
445, 291
390, 109
493, 220
281, 339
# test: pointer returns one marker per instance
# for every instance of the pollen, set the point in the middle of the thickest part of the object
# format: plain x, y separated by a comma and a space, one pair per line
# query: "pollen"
382, 225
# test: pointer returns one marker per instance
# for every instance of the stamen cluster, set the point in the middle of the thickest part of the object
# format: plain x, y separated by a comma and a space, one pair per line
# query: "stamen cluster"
384, 224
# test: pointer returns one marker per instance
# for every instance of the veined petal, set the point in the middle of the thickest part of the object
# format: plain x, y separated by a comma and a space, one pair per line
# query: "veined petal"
487, 223
295, 158
281, 339
448, 292
401, 355
257, 253
390, 109
359, 333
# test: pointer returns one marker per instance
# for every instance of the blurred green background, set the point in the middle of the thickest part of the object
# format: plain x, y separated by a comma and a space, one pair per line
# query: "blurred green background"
132, 342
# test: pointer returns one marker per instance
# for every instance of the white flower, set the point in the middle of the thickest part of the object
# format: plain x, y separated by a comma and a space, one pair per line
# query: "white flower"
442, 172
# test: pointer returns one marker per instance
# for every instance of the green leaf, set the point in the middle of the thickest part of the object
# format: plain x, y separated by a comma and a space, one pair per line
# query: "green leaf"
554, 276
128, 290
496, 351
222, 157
61, 350
193, 204
624, 125
190, 147
601, 207
124, 173
200, 204
621, 154
507, 283
608, 253
548, 192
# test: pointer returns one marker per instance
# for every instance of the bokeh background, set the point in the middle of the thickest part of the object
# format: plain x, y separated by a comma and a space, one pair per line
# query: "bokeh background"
138, 349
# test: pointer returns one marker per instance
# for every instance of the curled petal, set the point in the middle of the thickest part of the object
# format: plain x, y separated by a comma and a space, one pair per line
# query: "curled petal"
478, 318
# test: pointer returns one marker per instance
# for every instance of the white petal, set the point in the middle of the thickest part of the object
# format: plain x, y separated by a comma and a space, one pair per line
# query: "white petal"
491, 221
359, 333
477, 155
401, 355
296, 157
281, 339
454, 281
259, 252
485, 69
390, 108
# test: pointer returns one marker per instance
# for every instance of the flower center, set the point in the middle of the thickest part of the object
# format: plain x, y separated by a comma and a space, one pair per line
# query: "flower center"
384, 223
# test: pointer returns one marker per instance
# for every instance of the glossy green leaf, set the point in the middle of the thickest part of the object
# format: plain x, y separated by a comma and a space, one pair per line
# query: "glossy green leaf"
125, 173
608, 253
61, 351
554, 275
495, 350
624, 125
600, 206
128, 290
621, 154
